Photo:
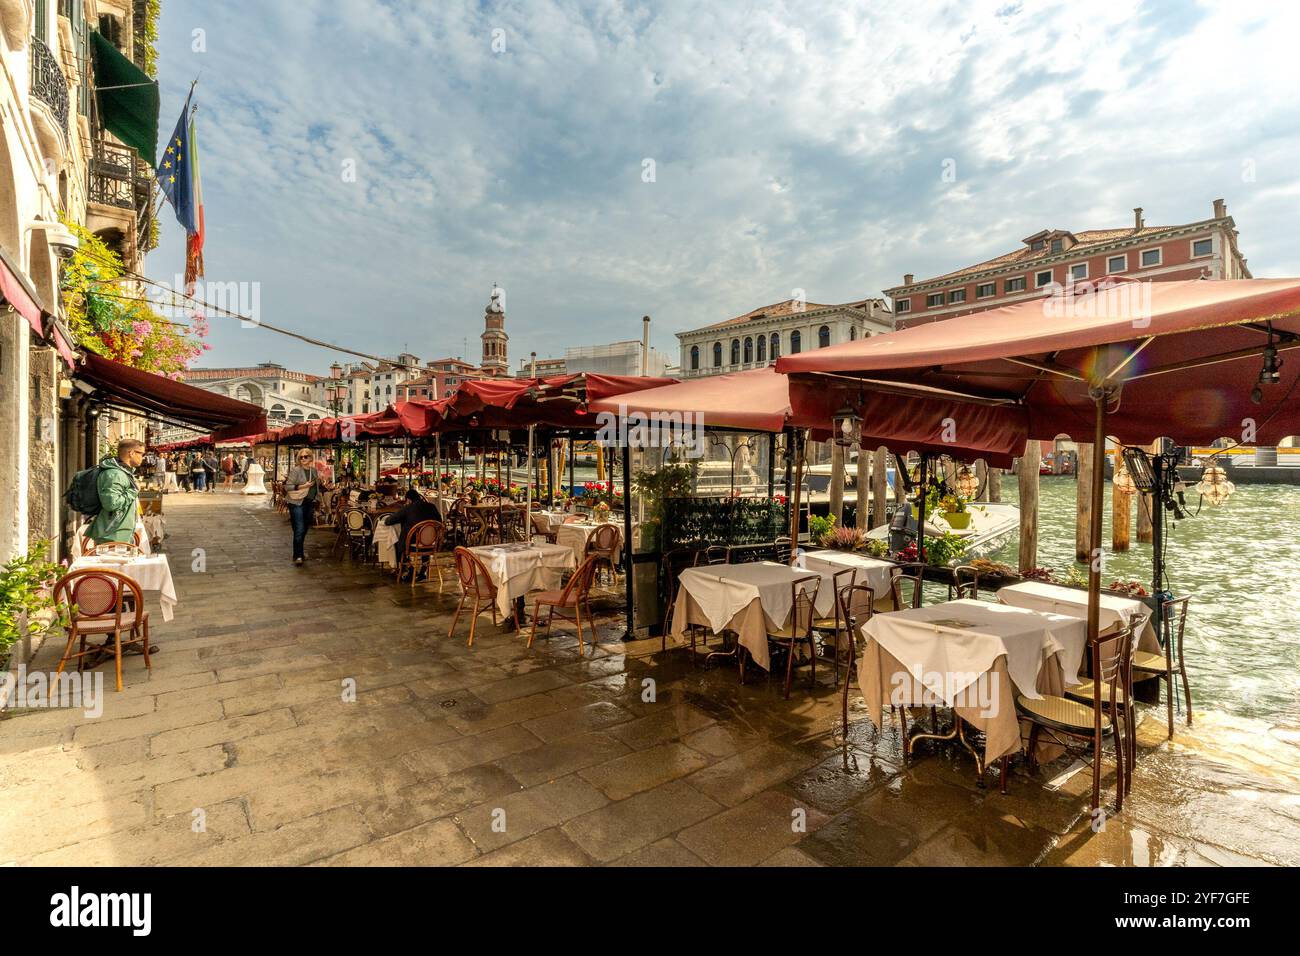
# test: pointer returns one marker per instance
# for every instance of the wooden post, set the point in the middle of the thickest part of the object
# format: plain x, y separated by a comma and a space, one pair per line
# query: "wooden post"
995, 485
982, 476
1121, 512
879, 486
837, 484
1083, 502
862, 513
1028, 477
1144, 506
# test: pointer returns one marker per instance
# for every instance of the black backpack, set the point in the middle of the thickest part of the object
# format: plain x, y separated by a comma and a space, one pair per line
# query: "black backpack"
82, 495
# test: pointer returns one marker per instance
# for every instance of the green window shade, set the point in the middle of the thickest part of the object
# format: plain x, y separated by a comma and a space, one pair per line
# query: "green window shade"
127, 97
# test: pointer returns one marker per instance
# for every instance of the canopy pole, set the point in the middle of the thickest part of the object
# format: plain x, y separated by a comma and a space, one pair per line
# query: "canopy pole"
795, 495
771, 465
528, 498
920, 509
1098, 496
630, 634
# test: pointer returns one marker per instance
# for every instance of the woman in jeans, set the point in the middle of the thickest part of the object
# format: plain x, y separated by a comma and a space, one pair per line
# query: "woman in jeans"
302, 475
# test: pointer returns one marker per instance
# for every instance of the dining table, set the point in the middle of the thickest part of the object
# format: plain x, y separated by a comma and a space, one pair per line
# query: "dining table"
1116, 611
576, 534
142, 532
151, 572
749, 600
519, 567
973, 656
875, 573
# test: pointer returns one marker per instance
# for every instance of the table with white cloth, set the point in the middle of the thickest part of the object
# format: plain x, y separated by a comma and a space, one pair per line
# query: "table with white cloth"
385, 539
871, 572
151, 572
750, 600
520, 567
143, 533
1115, 611
577, 535
974, 656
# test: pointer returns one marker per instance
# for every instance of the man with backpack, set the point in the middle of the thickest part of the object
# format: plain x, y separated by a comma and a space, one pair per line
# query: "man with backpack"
109, 494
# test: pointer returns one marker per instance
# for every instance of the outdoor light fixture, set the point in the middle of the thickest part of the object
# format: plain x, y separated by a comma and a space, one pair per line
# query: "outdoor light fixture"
968, 485
1214, 485
848, 427
1138, 468
1122, 482
1270, 374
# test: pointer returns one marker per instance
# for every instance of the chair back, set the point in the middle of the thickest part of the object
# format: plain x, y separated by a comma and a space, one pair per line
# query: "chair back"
539, 523
966, 583
473, 575
425, 537
906, 582
604, 540
1111, 668
1173, 619
856, 603
88, 545
782, 550
96, 594
803, 603
839, 581
713, 554
579, 586
358, 522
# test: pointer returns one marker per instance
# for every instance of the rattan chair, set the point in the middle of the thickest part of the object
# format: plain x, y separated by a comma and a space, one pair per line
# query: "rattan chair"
100, 601
542, 527
575, 596
88, 544
798, 629
358, 531
1093, 721
1170, 665
475, 586
906, 583
603, 548
423, 547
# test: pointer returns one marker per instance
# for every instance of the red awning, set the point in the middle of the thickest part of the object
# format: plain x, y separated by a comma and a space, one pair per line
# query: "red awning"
135, 390
561, 401
758, 400
1184, 355
16, 293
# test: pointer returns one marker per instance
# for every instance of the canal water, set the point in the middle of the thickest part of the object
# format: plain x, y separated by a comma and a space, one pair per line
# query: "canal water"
1239, 565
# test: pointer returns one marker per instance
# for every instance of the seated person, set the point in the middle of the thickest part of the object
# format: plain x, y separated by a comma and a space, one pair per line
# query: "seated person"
407, 517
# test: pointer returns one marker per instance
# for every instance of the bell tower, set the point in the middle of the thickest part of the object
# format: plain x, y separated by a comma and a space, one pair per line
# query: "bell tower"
495, 339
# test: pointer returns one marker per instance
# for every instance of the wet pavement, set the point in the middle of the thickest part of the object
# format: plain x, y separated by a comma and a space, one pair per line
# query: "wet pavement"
323, 715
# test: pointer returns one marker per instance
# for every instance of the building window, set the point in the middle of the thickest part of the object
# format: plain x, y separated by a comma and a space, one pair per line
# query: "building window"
1014, 285
735, 351
823, 336
1042, 278
1079, 271
776, 346
1151, 257
1116, 264
1037, 245
795, 342
749, 350
1057, 245
957, 295
695, 358
986, 289
902, 305
853, 333
1202, 247
762, 348
717, 355
934, 300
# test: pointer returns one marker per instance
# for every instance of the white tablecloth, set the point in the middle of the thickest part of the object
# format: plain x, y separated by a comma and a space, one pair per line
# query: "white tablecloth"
947, 647
719, 592
577, 535
146, 547
386, 542
1115, 611
519, 568
151, 572
871, 572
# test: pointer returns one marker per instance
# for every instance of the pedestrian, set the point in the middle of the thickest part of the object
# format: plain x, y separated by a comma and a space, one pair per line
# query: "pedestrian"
210, 468
160, 470
228, 472
300, 490
119, 495
198, 474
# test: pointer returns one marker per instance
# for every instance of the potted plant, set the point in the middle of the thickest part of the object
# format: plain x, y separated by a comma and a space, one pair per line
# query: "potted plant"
27, 606
842, 539
954, 512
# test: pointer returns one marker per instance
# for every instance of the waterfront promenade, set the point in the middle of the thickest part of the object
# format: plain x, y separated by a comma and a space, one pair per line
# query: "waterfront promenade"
242, 749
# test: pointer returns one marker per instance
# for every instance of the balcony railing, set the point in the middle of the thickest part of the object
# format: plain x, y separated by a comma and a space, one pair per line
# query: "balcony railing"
114, 177
48, 82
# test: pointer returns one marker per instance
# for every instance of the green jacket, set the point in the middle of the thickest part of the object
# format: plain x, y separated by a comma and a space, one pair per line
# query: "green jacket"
118, 497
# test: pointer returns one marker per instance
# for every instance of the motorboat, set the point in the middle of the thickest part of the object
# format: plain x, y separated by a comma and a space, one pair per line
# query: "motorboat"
991, 526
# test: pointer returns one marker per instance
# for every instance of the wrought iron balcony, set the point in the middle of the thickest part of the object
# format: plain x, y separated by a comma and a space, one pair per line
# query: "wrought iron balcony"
49, 85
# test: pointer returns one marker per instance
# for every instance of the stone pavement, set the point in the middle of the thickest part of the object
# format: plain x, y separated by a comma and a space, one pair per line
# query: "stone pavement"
245, 746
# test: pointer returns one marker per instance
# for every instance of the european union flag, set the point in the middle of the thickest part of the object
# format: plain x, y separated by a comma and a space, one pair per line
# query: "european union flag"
174, 174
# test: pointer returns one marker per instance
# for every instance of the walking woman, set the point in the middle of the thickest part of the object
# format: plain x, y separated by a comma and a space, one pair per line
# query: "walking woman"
300, 490
228, 472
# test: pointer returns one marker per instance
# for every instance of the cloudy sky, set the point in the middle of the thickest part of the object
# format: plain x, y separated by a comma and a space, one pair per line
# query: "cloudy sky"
374, 166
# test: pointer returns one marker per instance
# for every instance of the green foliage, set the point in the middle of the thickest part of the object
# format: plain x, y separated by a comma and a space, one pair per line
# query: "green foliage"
725, 521
819, 526
877, 547
654, 488
842, 539
944, 550
26, 592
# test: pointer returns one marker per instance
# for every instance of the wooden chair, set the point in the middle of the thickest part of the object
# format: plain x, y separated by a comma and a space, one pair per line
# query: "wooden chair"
1092, 722
672, 564
603, 548
965, 583
541, 527
510, 523
575, 596
835, 623
423, 547
799, 628
1148, 666
713, 554
88, 544
476, 585
782, 550
906, 584
856, 604
101, 601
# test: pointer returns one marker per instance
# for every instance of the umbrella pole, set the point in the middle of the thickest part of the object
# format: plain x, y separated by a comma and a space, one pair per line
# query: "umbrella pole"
627, 543
794, 494
528, 508
920, 510
1094, 529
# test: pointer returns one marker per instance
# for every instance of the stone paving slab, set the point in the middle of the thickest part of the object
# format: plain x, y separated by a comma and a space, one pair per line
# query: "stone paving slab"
322, 715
